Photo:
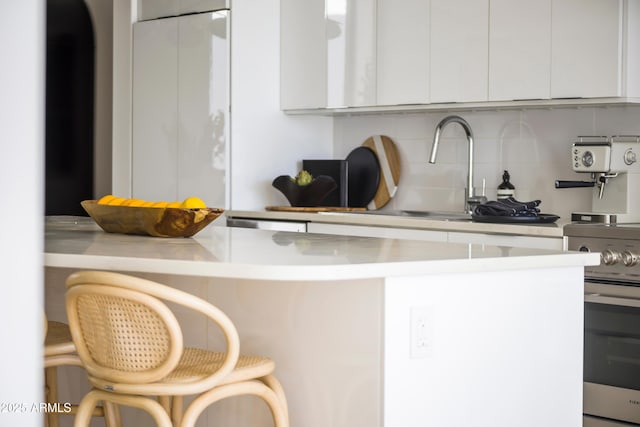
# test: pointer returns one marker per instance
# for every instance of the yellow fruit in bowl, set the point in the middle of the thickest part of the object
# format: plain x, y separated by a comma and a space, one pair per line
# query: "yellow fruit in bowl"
116, 201
132, 202
160, 205
174, 205
104, 200
193, 203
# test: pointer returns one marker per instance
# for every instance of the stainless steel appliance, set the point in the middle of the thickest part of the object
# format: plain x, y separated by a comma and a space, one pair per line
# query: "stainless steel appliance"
614, 168
612, 323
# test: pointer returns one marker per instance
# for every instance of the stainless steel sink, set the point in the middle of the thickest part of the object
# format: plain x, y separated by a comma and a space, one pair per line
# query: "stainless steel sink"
433, 215
444, 215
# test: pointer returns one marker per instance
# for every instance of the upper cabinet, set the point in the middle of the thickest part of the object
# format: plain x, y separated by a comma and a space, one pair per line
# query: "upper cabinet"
403, 73
423, 53
328, 53
459, 45
153, 9
519, 49
587, 49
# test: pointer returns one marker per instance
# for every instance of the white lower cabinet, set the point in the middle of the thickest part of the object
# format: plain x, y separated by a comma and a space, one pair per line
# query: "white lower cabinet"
372, 231
551, 243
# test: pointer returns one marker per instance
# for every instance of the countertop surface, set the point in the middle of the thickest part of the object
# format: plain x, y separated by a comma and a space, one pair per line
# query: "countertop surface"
380, 219
219, 251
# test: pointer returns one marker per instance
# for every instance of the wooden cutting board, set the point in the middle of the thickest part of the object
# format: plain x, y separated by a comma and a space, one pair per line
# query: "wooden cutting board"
389, 160
313, 209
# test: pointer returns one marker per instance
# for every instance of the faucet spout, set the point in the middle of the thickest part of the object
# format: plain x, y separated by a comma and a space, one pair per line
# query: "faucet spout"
470, 197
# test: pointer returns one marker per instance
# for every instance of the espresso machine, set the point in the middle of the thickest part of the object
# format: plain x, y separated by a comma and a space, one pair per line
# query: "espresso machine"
612, 164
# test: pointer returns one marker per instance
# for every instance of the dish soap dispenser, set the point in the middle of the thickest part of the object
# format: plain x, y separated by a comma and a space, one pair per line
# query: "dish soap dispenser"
506, 188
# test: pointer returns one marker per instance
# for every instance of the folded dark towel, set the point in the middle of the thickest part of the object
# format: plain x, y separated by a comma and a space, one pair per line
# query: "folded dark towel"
508, 207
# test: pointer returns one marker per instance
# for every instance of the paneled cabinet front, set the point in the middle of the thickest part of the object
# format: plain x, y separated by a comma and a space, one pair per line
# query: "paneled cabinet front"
587, 49
348, 53
154, 9
459, 46
180, 108
328, 53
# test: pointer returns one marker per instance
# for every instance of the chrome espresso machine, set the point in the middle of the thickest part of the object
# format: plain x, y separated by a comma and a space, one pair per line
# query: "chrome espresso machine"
613, 165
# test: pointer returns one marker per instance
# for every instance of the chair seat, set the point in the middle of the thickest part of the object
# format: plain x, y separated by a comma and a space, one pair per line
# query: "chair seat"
58, 340
197, 364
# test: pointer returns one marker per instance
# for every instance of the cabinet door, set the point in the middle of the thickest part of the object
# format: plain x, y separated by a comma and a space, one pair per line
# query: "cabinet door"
586, 48
403, 52
328, 53
303, 54
155, 110
351, 52
154, 9
372, 231
519, 49
459, 46
180, 108
203, 104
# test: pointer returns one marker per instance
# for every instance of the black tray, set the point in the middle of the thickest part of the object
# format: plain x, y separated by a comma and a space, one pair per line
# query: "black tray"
540, 219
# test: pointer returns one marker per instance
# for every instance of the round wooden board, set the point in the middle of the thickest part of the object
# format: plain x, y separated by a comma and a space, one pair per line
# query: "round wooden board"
389, 160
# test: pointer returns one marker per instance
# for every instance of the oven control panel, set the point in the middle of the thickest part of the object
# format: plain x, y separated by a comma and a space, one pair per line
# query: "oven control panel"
619, 258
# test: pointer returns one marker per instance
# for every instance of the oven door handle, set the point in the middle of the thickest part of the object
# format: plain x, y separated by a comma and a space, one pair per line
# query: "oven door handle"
604, 299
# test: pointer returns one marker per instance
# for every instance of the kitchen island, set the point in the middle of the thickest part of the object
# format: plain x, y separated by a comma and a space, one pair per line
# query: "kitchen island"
367, 331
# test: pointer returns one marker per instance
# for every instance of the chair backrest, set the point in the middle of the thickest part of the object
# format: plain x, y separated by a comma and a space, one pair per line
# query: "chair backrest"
125, 333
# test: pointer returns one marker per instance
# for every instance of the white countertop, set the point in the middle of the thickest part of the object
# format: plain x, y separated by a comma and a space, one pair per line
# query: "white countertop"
381, 220
218, 251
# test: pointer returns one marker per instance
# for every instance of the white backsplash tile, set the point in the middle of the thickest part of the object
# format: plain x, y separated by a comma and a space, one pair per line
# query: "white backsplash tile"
533, 145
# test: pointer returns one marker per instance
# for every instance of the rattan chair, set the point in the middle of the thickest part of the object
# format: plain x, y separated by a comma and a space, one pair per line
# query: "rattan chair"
60, 351
132, 348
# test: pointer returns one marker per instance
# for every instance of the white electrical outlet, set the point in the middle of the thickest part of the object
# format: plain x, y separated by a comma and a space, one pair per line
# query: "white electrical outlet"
421, 332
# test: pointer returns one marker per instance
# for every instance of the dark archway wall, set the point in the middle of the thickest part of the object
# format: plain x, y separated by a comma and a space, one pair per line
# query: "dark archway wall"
69, 119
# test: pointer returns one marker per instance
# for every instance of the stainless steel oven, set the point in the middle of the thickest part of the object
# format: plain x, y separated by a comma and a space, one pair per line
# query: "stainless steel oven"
611, 323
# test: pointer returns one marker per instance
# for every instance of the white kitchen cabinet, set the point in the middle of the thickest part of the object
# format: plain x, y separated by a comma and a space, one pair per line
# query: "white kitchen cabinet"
519, 49
403, 52
459, 50
180, 108
372, 231
328, 53
438, 236
153, 9
554, 243
587, 48
155, 110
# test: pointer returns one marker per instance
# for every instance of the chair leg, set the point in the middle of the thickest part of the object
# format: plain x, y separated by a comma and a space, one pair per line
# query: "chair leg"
112, 417
92, 398
272, 382
256, 388
177, 410
51, 385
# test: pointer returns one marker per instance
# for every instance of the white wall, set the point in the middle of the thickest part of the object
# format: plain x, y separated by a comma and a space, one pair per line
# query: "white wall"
265, 143
533, 145
22, 31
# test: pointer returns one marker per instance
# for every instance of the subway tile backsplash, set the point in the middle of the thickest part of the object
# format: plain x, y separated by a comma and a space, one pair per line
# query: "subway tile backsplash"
533, 145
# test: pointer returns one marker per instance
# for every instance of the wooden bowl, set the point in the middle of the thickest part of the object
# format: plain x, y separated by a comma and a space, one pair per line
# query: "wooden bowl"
157, 222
